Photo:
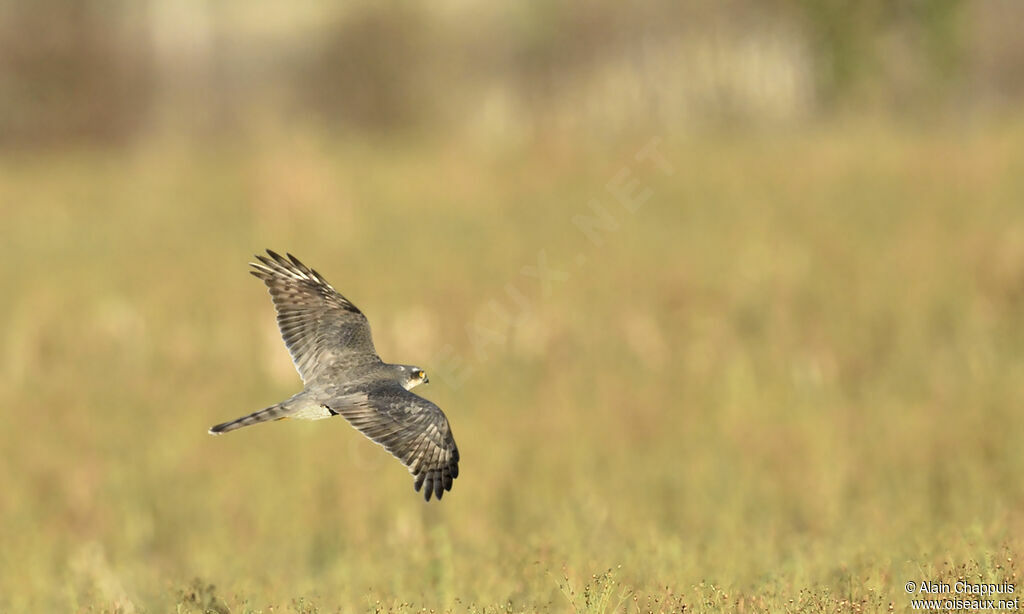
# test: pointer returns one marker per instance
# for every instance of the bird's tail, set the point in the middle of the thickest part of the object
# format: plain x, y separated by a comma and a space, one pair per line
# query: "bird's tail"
274, 412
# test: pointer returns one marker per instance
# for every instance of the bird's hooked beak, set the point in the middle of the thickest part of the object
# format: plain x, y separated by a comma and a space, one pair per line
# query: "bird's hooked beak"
426, 380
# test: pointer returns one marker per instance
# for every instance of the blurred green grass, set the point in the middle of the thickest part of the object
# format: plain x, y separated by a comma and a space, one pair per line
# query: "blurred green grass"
792, 380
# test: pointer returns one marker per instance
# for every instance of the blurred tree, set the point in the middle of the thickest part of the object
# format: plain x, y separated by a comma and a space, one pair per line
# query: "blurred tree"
100, 70
372, 69
853, 57
71, 71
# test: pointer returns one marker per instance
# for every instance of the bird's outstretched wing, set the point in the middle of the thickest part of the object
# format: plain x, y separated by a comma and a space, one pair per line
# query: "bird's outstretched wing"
411, 428
322, 329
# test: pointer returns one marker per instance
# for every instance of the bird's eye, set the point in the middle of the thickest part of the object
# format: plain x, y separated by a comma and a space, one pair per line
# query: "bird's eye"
420, 374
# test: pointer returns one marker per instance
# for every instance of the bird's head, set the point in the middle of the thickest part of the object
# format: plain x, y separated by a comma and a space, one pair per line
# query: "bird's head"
410, 376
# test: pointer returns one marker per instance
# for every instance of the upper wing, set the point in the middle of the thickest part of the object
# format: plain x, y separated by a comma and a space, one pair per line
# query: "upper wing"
411, 428
321, 328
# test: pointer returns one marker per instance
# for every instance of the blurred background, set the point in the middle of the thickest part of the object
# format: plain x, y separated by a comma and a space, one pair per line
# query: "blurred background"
117, 73
723, 300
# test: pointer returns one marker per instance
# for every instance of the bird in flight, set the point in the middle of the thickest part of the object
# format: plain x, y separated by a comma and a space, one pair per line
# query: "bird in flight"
330, 344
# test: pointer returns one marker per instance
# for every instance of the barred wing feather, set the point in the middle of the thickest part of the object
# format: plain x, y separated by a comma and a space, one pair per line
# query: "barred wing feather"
322, 329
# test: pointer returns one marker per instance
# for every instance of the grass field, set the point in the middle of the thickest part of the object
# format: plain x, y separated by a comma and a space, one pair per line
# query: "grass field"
791, 381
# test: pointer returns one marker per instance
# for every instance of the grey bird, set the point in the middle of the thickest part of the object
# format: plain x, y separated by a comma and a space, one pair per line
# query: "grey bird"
330, 344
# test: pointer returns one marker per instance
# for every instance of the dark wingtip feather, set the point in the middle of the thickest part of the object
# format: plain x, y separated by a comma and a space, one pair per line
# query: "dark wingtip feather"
281, 261
220, 428
264, 262
434, 482
297, 263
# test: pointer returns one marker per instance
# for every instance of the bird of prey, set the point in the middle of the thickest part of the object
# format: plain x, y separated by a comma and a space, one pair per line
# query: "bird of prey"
329, 341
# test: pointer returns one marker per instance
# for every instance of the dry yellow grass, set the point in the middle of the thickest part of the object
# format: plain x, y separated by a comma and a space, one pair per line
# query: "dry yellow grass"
792, 380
